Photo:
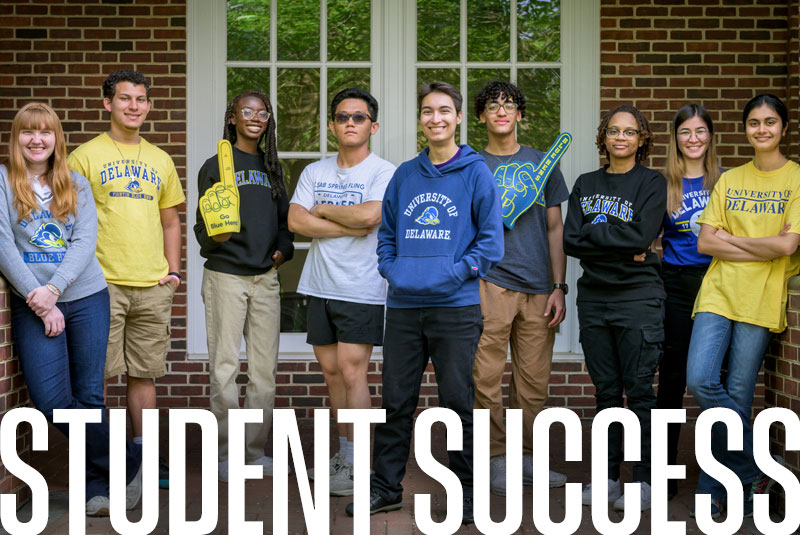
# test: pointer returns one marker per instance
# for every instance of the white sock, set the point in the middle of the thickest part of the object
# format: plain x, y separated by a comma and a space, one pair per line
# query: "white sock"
347, 451
137, 440
342, 444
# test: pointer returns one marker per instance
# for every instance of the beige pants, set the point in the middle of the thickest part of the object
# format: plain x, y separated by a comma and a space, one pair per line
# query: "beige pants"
237, 305
517, 317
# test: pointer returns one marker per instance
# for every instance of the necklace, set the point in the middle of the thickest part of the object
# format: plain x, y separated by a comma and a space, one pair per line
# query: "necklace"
503, 161
120, 150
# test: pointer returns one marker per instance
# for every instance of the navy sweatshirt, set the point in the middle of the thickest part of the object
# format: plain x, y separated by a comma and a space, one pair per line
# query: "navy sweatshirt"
612, 217
441, 231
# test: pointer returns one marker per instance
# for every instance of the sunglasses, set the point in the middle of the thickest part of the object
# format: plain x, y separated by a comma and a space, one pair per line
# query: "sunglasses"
358, 117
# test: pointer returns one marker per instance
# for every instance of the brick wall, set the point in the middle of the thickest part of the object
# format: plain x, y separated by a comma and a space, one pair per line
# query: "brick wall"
59, 52
663, 54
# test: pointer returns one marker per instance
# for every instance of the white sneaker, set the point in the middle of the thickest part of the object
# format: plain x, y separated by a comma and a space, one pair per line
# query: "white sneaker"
98, 506
497, 475
222, 471
266, 464
341, 483
556, 479
133, 491
614, 492
334, 465
619, 503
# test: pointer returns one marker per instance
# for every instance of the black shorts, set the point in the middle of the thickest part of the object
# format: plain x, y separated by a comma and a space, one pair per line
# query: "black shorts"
331, 321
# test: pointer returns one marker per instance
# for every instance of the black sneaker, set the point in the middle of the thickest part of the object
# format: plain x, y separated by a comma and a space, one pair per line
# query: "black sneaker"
163, 473
377, 504
467, 517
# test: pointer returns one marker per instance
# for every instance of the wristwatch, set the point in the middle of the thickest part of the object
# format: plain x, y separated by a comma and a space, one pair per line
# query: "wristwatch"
561, 286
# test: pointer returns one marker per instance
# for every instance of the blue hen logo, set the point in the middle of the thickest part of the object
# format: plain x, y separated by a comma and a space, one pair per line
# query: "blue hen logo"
430, 216
134, 186
48, 236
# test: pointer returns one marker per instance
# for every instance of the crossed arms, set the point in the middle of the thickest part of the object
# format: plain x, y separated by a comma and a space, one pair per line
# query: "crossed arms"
334, 221
721, 244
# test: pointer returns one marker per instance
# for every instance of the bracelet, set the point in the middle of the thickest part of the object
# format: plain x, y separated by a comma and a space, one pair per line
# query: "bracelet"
176, 274
53, 289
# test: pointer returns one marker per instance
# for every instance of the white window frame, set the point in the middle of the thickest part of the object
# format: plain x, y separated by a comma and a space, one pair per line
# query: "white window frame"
393, 45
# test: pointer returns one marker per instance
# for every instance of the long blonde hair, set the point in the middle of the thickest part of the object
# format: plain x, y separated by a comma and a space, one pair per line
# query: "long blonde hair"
676, 166
40, 116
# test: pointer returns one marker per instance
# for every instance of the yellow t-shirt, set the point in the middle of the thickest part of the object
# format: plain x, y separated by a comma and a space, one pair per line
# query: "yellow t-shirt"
129, 189
756, 204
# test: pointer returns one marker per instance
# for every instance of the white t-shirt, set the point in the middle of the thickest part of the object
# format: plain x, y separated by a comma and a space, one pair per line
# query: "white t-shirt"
343, 268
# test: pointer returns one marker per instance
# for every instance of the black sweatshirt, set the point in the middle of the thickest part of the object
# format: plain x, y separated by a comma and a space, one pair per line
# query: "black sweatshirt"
611, 218
264, 225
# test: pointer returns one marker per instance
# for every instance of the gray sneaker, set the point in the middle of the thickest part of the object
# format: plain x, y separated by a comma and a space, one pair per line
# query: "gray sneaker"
133, 492
614, 492
98, 506
341, 483
556, 479
334, 465
497, 475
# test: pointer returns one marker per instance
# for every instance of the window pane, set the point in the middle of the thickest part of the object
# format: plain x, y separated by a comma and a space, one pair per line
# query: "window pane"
248, 30
294, 306
339, 79
298, 30
438, 30
539, 27
298, 110
292, 167
478, 78
348, 30
240, 80
489, 30
426, 76
542, 124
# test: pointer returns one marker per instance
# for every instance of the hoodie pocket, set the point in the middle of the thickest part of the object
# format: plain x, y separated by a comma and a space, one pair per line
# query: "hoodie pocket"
424, 276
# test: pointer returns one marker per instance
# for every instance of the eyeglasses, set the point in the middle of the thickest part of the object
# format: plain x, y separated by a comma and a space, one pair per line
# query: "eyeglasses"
249, 113
700, 133
494, 106
614, 132
358, 117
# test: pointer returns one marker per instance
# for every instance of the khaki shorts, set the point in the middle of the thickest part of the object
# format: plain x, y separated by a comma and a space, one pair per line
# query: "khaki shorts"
138, 339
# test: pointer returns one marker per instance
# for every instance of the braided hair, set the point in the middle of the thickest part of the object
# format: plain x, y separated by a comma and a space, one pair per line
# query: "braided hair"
267, 139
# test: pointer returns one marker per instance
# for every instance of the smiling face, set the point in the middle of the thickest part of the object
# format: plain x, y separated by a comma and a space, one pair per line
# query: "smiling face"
249, 129
350, 134
764, 129
129, 106
37, 145
438, 118
501, 122
693, 137
621, 146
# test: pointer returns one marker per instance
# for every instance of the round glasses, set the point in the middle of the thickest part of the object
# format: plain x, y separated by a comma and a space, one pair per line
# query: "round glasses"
494, 106
628, 132
250, 113
701, 134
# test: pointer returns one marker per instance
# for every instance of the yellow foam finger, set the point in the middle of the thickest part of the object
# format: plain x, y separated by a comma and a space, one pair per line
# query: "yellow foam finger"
225, 158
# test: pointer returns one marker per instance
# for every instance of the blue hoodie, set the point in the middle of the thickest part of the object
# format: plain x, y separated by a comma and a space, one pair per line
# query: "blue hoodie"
441, 232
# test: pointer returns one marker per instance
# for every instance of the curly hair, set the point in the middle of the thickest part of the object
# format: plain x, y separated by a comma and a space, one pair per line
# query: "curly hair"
124, 75
493, 90
645, 133
267, 144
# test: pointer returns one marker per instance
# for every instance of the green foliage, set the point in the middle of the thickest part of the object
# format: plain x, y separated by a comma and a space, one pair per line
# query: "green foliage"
438, 30
248, 30
539, 27
298, 30
488, 30
348, 30
542, 90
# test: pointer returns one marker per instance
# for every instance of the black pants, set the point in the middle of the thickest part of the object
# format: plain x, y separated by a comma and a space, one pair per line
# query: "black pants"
622, 344
681, 284
449, 337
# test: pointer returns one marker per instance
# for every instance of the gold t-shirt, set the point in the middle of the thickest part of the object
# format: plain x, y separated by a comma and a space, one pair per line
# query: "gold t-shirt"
756, 204
129, 188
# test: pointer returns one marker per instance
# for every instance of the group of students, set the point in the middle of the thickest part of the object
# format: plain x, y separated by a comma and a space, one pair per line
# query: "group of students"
93, 259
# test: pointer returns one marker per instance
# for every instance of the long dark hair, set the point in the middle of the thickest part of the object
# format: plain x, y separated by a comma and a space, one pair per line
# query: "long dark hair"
267, 144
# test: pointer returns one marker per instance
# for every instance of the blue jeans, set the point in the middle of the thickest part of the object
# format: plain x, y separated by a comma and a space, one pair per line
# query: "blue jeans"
66, 372
745, 344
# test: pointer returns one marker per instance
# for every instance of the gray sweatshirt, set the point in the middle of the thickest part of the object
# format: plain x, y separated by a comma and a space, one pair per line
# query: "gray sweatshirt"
41, 249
